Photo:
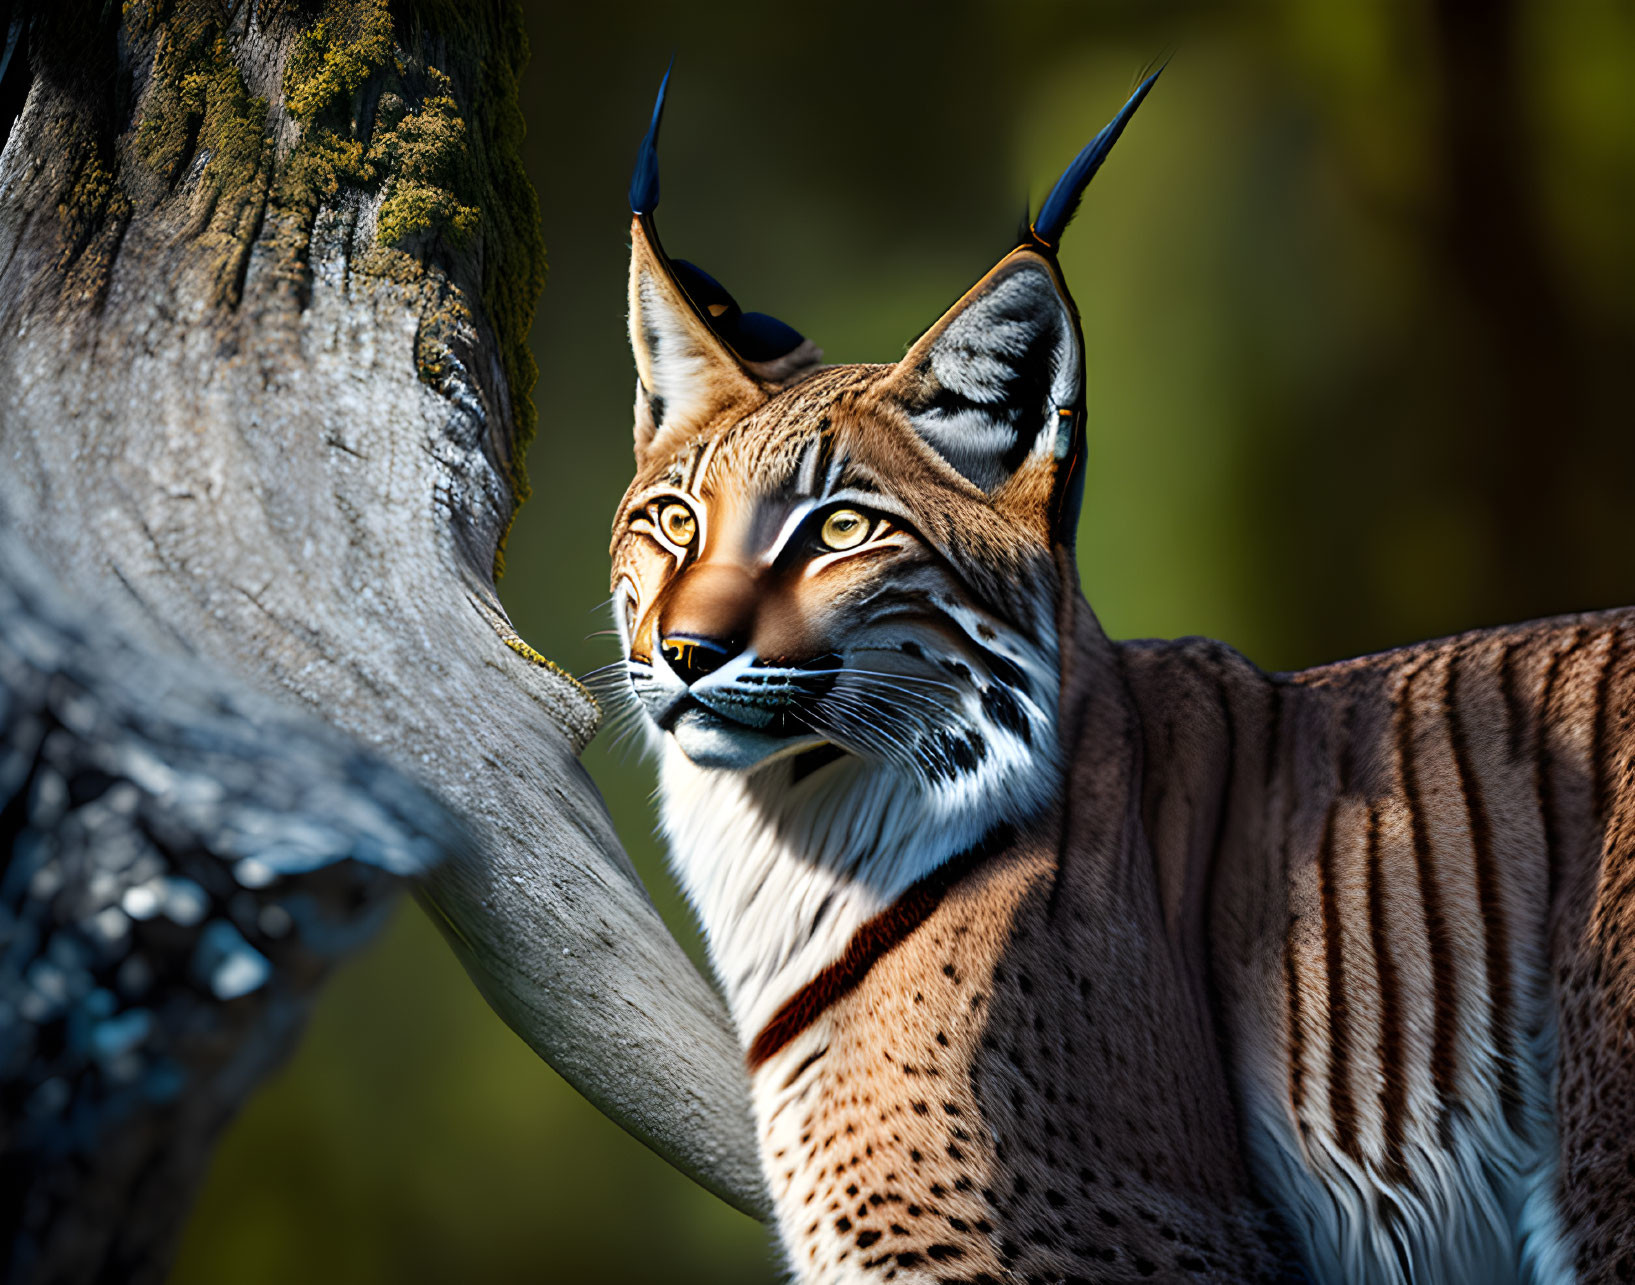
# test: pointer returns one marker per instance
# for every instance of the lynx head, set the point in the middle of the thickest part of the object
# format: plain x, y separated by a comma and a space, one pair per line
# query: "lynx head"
822, 570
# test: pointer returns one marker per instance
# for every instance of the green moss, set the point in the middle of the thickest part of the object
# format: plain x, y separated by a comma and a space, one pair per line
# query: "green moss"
414, 209
198, 102
94, 196
394, 266
418, 154
425, 153
233, 126
92, 214
443, 315
318, 168
74, 155
333, 58
441, 148
331, 61
446, 175
453, 173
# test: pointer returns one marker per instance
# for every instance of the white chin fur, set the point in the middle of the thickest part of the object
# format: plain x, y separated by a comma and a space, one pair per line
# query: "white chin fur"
710, 741
782, 873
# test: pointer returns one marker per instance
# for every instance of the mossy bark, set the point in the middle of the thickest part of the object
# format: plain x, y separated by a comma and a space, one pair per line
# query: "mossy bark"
266, 278
409, 122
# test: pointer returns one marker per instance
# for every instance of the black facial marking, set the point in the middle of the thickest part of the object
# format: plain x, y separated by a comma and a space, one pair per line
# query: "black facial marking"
1004, 670
825, 455
938, 760
947, 756
1006, 712
811, 760
768, 521
822, 911
817, 676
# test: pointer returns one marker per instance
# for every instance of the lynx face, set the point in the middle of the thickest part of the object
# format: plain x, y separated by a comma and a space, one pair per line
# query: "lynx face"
805, 583
852, 562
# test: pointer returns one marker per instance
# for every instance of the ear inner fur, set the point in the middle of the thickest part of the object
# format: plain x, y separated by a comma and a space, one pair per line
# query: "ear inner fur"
689, 377
998, 380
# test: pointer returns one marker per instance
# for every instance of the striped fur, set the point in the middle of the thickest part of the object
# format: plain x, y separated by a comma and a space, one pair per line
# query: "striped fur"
1388, 906
1059, 959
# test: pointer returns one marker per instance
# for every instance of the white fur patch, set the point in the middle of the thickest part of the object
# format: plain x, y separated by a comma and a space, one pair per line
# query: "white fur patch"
759, 859
1482, 1209
681, 369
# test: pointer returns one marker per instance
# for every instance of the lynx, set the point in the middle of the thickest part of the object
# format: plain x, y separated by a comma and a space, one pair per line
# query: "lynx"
1060, 959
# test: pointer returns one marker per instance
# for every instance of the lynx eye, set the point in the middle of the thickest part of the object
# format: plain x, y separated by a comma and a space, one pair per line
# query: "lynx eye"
844, 529
678, 524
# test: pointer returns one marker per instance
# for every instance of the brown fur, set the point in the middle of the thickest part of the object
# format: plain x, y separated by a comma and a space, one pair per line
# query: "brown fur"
1364, 894
1091, 1011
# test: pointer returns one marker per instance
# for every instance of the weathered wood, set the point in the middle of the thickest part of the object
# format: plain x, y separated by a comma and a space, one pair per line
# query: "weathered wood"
182, 859
265, 279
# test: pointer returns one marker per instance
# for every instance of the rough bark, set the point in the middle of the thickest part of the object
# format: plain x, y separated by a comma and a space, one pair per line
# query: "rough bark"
266, 273
181, 861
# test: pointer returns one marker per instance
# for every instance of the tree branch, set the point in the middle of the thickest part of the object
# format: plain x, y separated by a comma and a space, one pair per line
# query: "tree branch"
266, 281
181, 861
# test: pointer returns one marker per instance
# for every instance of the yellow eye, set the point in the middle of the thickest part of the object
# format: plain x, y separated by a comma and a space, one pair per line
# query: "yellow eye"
678, 524
844, 529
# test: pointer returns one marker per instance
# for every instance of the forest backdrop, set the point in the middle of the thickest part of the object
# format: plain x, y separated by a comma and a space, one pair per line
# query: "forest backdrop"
1359, 302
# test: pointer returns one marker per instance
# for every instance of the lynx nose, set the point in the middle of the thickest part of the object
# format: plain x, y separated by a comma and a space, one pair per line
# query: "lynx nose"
708, 619
692, 657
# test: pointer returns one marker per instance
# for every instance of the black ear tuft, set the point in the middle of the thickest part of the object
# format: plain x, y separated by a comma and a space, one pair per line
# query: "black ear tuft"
709, 296
1063, 201
760, 338
644, 182
999, 377
767, 348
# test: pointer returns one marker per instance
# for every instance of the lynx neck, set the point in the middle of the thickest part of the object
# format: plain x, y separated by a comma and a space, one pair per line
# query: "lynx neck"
783, 872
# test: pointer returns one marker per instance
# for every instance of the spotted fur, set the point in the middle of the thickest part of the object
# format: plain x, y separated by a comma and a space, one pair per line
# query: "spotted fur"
1058, 959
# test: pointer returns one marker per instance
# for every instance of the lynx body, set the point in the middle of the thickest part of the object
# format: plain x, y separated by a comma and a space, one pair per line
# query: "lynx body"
1058, 959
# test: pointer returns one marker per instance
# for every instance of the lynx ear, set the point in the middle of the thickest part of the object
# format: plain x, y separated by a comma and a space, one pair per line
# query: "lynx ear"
699, 356
1000, 377
686, 376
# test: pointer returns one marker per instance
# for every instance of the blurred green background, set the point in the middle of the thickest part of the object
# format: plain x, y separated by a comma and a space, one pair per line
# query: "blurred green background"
1358, 290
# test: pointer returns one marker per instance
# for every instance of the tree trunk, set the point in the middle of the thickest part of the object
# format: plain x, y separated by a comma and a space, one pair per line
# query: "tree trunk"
266, 276
181, 860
